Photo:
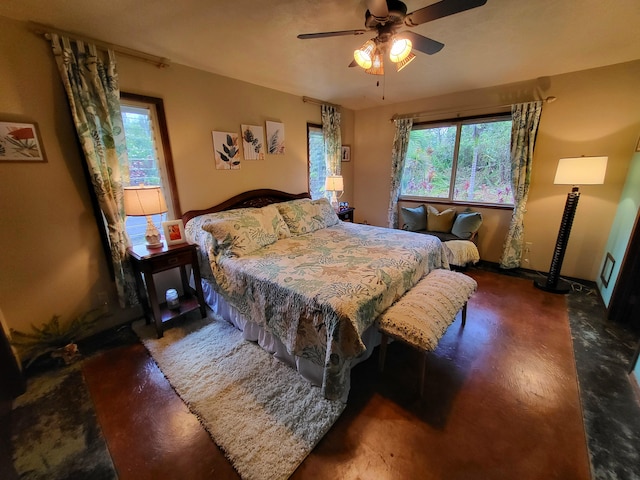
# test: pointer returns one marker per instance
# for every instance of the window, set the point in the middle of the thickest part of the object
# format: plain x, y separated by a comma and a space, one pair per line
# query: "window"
465, 161
149, 156
317, 164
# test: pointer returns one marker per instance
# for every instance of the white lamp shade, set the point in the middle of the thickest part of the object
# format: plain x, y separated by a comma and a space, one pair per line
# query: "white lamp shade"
334, 183
143, 200
581, 171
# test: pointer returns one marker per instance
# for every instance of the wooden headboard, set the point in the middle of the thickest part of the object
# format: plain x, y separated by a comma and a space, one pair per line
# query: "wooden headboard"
252, 198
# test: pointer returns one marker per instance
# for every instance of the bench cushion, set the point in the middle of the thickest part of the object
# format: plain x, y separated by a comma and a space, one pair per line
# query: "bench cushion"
421, 316
461, 252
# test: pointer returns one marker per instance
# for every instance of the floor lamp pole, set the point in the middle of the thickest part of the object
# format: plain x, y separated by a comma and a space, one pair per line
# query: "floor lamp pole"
551, 285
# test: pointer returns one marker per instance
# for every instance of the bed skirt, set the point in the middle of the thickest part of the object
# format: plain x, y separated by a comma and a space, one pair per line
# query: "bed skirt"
254, 333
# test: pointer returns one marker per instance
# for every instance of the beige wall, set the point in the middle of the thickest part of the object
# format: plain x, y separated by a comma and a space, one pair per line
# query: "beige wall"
50, 254
197, 103
597, 112
51, 261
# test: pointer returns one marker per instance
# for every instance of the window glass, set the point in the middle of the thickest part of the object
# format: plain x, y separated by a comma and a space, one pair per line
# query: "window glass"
463, 161
429, 162
483, 171
146, 164
317, 164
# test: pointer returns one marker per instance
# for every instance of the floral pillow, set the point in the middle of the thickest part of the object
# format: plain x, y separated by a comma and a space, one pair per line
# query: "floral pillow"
306, 216
239, 232
326, 211
279, 225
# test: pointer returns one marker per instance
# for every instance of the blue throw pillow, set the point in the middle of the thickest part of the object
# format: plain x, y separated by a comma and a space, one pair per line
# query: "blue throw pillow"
466, 224
414, 219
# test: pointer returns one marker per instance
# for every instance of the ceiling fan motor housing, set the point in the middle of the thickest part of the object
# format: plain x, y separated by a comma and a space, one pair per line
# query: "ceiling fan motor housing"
397, 12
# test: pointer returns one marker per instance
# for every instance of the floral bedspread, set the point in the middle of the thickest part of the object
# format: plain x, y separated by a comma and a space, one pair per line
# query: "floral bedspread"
318, 292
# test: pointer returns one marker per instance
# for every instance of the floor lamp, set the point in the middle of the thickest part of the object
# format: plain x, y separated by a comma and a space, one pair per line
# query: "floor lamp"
571, 171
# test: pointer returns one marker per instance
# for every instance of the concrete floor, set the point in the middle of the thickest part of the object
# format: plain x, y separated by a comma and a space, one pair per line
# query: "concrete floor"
502, 401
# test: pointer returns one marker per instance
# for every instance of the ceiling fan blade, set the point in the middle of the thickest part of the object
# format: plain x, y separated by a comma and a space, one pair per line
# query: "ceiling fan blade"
444, 8
353, 64
423, 44
378, 8
305, 36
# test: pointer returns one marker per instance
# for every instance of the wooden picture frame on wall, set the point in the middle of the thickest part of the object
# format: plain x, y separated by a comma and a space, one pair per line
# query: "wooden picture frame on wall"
20, 142
607, 269
346, 153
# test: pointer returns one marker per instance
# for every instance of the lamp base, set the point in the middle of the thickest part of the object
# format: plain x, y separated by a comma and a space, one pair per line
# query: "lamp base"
151, 246
152, 235
551, 288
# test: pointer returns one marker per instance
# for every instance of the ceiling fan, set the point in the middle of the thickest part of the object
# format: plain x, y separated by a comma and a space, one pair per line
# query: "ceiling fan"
386, 17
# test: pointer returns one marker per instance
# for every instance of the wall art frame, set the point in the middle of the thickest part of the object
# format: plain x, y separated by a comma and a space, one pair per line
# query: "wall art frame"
20, 142
346, 153
607, 269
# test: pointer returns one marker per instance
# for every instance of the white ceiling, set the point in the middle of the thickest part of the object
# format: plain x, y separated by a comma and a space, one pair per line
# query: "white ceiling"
504, 41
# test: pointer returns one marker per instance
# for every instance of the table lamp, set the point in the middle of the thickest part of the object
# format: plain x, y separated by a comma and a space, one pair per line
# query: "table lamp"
333, 184
145, 201
571, 171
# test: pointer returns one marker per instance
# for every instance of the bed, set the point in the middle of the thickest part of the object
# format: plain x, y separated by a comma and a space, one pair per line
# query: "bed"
303, 284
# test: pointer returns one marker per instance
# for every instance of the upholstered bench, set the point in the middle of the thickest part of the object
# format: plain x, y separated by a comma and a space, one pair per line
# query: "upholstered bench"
421, 316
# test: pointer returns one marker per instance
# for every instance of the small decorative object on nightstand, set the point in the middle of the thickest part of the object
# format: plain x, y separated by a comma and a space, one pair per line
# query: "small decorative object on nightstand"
147, 262
346, 214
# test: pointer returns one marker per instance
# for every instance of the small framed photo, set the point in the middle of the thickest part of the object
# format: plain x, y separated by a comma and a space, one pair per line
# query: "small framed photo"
20, 142
607, 269
174, 232
346, 153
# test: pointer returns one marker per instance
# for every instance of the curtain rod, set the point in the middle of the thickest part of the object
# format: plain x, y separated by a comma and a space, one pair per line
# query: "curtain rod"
319, 102
46, 31
458, 111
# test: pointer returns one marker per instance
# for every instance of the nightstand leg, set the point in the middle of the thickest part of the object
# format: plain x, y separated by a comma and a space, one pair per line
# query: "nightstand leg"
195, 269
155, 306
142, 296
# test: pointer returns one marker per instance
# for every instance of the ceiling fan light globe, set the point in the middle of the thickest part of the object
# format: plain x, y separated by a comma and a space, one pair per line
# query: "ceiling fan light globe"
364, 55
400, 49
403, 63
362, 60
377, 66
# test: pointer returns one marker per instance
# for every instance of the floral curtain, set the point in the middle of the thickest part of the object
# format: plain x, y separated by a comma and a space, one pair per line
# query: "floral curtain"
332, 139
398, 154
91, 82
525, 119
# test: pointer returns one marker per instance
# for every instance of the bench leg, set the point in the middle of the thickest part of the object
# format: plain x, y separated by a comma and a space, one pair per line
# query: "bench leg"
464, 315
382, 353
423, 372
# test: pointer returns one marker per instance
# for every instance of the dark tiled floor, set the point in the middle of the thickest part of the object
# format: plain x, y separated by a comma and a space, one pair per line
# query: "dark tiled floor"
502, 402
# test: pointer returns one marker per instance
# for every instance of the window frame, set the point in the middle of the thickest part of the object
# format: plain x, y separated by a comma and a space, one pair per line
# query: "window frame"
157, 109
458, 123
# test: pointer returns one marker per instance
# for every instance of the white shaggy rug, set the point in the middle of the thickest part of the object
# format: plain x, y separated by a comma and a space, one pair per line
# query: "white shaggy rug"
260, 412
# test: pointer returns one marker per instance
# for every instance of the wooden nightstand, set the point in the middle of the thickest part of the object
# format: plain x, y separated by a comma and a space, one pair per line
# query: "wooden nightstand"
146, 262
346, 215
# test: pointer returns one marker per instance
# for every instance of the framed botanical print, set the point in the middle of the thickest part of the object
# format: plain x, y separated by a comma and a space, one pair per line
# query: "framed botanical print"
20, 142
